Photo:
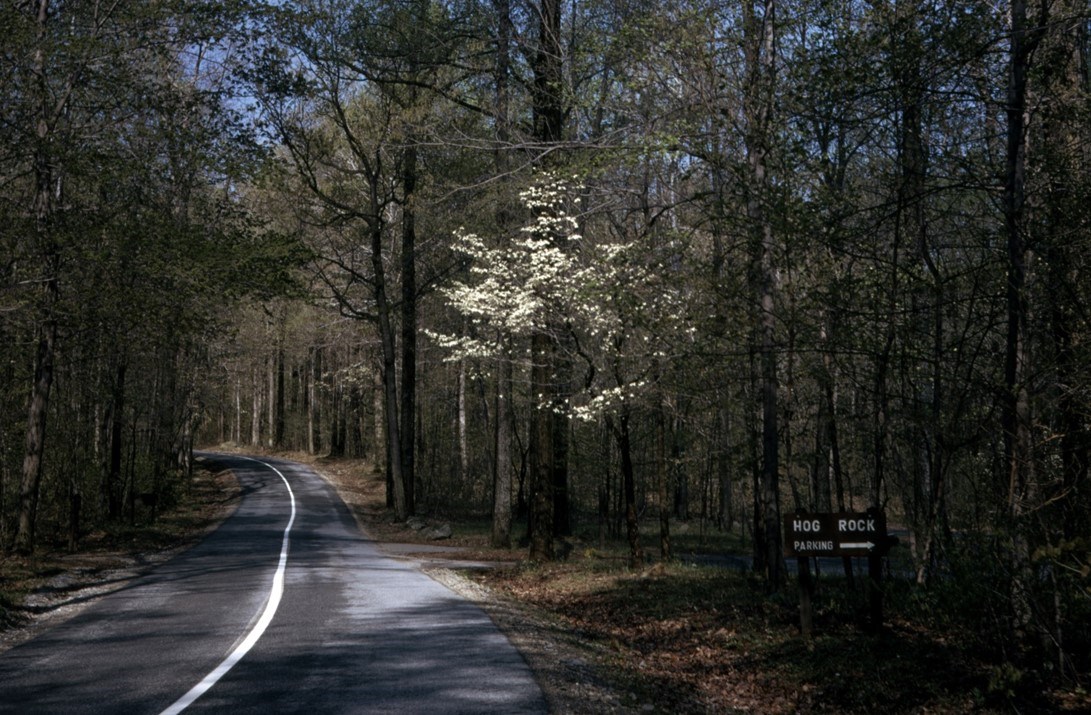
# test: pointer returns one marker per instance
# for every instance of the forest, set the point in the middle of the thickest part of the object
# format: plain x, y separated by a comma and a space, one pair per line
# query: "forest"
583, 267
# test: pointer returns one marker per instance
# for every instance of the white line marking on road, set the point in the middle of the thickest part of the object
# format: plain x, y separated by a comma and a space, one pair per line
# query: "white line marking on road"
259, 628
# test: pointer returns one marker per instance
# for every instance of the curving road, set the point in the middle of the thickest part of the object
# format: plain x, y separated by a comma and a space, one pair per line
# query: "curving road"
285, 608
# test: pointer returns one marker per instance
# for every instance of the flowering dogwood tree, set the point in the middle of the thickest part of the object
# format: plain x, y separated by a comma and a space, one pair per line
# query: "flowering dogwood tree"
621, 311
528, 285
610, 303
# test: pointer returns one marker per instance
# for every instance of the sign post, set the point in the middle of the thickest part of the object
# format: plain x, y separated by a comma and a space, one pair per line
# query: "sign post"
813, 534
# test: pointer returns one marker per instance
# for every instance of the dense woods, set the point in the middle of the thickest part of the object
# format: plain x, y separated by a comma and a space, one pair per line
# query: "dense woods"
585, 267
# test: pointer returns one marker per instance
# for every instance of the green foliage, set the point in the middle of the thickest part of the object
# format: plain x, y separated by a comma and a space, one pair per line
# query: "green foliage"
143, 144
1070, 555
1004, 681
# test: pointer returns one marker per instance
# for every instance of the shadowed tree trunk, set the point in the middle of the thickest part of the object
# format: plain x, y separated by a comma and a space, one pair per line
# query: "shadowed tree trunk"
117, 425
503, 476
409, 329
548, 120
1016, 415
541, 450
383, 311
46, 187
314, 407
760, 53
661, 480
623, 436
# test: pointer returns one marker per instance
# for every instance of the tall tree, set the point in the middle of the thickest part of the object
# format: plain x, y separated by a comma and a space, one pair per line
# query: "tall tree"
503, 467
760, 32
1016, 416
548, 122
346, 161
91, 85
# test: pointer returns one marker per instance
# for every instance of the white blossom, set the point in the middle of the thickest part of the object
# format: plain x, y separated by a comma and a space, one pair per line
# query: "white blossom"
608, 293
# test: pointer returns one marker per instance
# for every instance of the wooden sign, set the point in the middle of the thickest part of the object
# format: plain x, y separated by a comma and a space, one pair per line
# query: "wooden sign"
836, 534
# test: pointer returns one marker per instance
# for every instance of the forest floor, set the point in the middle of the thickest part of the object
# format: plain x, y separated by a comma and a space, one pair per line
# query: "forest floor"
601, 637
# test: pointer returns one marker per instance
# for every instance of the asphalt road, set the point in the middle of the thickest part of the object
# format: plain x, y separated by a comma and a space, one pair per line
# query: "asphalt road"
285, 608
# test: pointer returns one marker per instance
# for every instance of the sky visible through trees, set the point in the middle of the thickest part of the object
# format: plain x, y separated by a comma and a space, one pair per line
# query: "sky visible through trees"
583, 267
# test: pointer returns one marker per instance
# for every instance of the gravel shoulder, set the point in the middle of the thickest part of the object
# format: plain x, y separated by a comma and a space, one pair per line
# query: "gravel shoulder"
570, 673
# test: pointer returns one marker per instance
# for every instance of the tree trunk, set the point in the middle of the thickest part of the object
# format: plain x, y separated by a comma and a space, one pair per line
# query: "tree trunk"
255, 414
461, 427
113, 485
503, 467
562, 523
44, 194
314, 407
388, 371
628, 487
541, 450
271, 401
502, 474
726, 511
548, 111
760, 49
820, 471
661, 481
407, 434
1016, 414
35, 439
336, 417
912, 222
278, 421
354, 433
1066, 78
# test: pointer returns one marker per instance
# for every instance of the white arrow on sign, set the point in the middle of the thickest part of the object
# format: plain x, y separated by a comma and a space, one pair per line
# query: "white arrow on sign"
857, 545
